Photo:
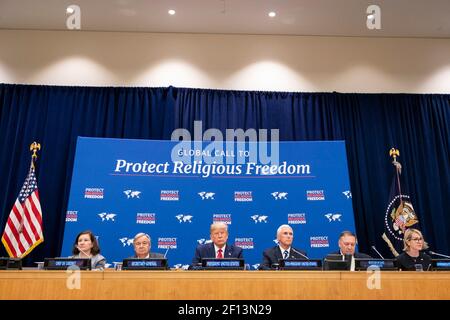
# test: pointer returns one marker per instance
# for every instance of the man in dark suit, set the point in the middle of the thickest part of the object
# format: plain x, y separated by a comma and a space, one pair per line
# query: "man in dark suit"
142, 244
218, 248
347, 245
284, 250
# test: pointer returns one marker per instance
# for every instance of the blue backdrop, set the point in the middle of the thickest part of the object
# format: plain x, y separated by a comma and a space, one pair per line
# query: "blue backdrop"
417, 124
121, 187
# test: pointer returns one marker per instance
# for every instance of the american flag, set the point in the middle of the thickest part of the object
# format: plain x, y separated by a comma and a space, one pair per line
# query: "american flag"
23, 230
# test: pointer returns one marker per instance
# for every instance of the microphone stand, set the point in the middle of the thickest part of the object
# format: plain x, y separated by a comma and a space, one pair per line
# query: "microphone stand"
300, 253
89, 256
439, 254
84, 252
375, 249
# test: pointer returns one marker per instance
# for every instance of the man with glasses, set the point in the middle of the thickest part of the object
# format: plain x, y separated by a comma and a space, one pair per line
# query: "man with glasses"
142, 244
284, 249
347, 245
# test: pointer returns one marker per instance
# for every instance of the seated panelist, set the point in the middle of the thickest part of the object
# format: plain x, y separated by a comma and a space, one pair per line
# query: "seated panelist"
218, 248
347, 245
142, 243
413, 258
86, 246
284, 249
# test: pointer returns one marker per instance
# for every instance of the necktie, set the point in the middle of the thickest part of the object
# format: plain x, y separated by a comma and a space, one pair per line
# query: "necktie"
352, 265
219, 254
286, 254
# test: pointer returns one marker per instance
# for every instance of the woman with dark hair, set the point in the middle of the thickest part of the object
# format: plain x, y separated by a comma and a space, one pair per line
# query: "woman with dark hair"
86, 246
413, 258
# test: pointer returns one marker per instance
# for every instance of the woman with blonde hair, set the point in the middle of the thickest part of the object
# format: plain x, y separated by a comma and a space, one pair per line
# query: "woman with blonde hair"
413, 258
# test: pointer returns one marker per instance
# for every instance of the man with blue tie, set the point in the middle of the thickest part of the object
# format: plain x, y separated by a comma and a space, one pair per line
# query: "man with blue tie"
218, 248
284, 249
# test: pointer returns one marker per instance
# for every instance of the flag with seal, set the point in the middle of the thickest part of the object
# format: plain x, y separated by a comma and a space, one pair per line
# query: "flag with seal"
399, 214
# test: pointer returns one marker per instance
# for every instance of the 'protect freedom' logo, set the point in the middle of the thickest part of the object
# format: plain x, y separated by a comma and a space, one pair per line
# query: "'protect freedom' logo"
170, 195
243, 196
314, 195
93, 193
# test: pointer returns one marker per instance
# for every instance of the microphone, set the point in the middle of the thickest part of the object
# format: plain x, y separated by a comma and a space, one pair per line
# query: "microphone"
166, 252
439, 254
296, 251
375, 249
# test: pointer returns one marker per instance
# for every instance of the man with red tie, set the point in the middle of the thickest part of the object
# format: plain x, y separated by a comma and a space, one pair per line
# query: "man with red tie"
218, 247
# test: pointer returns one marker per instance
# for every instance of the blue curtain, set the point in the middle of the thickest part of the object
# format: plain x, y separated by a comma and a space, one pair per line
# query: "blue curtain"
417, 124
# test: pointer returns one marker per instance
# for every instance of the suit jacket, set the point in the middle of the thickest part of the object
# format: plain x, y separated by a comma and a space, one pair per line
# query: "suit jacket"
207, 251
272, 255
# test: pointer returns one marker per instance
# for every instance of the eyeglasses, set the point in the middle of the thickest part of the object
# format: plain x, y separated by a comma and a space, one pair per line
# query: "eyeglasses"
416, 239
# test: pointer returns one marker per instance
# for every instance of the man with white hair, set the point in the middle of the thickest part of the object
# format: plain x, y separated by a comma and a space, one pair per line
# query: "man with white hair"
142, 244
284, 249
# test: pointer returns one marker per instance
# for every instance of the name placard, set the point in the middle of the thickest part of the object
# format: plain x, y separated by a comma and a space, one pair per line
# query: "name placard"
296, 264
223, 264
10, 263
440, 264
64, 263
145, 264
382, 264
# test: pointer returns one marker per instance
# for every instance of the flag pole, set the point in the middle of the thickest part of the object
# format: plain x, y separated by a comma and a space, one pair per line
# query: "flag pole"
394, 153
34, 147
